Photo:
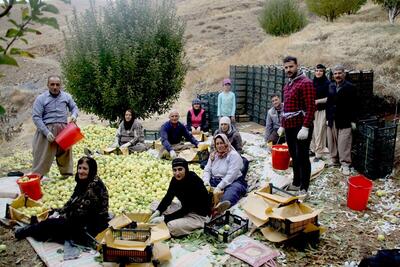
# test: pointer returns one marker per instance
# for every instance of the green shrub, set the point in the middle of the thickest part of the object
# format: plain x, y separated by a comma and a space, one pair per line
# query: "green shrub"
282, 17
331, 10
129, 54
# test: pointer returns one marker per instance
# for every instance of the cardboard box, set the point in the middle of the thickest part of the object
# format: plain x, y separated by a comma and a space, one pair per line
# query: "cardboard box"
23, 201
159, 232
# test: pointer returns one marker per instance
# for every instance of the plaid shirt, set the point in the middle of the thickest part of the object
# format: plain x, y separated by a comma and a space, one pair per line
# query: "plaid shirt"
299, 95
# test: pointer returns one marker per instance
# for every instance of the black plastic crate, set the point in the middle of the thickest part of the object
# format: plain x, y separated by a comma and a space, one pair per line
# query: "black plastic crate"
289, 228
217, 227
127, 256
374, 147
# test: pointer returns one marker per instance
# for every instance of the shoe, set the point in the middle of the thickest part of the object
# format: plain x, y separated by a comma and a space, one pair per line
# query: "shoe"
302, 194
332, 164
316, 159
22, 232
223, 206
292, 188
345, 170
220, 208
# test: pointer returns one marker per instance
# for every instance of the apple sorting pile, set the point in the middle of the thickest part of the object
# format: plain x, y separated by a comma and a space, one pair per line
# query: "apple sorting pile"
32, 211
133, 181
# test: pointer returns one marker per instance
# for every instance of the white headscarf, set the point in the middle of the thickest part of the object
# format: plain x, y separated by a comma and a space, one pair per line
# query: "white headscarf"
225, 120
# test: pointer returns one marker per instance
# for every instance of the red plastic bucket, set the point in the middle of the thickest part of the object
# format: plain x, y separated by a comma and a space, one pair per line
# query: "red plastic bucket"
69, 136
358, 192
32, 187
280, 157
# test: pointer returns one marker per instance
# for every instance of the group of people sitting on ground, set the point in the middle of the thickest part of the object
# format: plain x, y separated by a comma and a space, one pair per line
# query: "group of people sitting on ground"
86, 212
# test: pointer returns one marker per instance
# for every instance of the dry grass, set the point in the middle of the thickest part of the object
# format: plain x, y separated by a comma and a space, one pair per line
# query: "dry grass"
362, 41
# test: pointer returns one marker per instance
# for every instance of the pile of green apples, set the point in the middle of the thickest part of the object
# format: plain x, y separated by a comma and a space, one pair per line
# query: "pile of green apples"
133, 181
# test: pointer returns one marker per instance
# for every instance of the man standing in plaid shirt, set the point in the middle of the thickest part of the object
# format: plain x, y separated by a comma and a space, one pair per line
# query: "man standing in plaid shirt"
297, 121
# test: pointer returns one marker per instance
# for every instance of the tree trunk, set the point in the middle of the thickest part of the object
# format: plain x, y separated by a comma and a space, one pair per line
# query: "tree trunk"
391, 15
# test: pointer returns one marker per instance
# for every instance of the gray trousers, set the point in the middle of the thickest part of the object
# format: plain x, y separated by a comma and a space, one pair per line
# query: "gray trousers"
339, 144
138, 147
164, 154
318, 141
44, 152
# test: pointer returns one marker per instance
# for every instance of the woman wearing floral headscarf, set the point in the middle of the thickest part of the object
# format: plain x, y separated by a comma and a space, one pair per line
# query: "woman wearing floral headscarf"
223, 173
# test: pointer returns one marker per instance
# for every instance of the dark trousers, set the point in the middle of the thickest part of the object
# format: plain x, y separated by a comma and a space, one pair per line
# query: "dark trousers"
298, 150
59, 230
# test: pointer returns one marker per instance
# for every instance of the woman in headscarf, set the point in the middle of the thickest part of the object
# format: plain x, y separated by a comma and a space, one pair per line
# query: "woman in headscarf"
196, 118
130, 134
321, 84
223, 173
86, 212
225, 127
195, 201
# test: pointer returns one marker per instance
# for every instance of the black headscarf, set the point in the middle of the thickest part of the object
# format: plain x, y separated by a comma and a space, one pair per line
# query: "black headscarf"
180, 162
128, 124
82, 184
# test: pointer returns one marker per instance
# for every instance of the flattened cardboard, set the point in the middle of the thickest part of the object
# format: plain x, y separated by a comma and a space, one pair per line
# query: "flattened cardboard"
161, 252
273, 236
257, 206
190, 155
120, 221
279, 199
257, 222
203, 146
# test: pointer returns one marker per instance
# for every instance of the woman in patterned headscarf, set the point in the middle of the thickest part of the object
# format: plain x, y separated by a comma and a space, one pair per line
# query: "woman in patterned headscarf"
223, 173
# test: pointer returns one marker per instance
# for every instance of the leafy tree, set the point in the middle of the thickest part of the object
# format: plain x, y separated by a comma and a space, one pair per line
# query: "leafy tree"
128, 55
31, 13
282, 17
331, 10
392, 7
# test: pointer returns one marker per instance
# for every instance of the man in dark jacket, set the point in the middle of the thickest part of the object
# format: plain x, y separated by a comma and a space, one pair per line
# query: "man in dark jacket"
189, 189
321, 84
172, 132
340, 112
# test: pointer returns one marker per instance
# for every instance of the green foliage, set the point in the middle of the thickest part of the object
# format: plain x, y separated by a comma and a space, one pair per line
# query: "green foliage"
392, 7
128, 55
357, 6
30, 12
282, 17
331, 10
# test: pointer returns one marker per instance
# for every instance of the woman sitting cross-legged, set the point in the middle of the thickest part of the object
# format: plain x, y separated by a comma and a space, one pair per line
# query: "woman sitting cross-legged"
193, 196
223, 173
130, 134
85, 212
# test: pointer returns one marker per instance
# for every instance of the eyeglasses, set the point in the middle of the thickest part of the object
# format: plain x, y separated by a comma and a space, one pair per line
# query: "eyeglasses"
55, 84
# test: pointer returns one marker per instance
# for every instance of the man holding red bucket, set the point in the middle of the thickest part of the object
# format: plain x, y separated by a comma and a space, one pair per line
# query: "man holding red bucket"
297, 120
50, 115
